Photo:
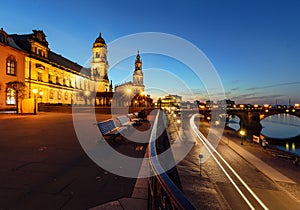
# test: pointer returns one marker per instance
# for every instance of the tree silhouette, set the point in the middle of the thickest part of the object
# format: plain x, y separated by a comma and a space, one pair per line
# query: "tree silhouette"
19, 88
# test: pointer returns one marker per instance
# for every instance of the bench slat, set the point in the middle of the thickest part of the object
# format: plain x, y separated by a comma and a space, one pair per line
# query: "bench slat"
108, 127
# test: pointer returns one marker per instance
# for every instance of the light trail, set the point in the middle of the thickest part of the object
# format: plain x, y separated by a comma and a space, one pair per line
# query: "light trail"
212, 150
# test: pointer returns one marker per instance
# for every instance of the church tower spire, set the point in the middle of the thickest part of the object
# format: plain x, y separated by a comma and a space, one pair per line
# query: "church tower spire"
138, 76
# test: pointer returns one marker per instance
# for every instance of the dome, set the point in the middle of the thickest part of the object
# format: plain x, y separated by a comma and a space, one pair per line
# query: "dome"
99, 42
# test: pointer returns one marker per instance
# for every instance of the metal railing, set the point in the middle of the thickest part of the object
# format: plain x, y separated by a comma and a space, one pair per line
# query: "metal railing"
163, 193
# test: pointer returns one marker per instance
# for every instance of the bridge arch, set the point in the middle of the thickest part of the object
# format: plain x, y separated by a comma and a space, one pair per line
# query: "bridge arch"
264, 114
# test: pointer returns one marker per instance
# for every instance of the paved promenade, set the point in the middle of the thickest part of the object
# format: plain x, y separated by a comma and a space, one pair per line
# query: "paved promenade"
44, 167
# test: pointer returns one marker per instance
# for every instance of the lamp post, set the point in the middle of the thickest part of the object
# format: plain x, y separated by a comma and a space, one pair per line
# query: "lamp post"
242, 134
87, 94
128, 91
41, 96
35, 91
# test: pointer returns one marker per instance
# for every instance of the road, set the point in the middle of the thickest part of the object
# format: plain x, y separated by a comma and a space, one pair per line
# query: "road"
253, 189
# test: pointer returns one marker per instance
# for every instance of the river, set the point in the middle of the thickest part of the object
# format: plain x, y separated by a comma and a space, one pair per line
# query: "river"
280, 126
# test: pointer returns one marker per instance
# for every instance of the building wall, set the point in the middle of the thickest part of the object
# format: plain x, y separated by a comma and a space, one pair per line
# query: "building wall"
19, 56
56, 85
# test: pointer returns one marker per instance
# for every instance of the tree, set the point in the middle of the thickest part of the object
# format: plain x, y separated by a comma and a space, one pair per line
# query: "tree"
19, 88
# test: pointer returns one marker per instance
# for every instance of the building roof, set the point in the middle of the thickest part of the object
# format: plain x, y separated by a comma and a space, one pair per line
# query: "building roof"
7, 40
99, 42
24, 40
64, 62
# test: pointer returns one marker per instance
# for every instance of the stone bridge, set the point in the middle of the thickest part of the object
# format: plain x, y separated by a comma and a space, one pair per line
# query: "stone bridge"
250, 119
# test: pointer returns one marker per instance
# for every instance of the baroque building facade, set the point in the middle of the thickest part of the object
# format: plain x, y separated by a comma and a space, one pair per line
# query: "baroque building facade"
51, 78
12, 65
133, 93
137, 85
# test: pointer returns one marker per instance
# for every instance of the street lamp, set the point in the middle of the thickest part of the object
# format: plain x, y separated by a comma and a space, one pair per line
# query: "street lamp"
35, 91
242, 134
128, 91
87, 94
41, 96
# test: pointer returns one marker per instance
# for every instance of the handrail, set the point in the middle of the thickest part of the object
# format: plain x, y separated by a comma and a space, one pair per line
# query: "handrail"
163, 193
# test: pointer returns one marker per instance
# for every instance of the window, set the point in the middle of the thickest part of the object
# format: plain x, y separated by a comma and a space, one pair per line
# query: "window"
66, 96
51, 96
65, 81
10, 96
40, 78
50, 78
11, 66
2, 38
97, 55
57, 80
59, 95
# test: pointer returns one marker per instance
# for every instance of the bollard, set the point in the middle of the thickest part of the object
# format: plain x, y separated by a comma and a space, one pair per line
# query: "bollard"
200, 157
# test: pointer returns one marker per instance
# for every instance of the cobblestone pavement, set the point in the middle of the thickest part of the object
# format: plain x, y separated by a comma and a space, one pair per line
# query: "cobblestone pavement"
44, 167
200, 190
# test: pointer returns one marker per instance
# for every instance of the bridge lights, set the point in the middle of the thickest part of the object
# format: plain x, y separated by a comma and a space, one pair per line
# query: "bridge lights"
242, 133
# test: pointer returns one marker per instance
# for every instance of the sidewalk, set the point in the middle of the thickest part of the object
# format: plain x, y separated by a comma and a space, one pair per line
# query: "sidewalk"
139, 196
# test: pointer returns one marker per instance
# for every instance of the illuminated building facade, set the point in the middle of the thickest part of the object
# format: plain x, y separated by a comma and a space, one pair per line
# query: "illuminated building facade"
133, 93
12, 65
59, 80
137, 85
170, 102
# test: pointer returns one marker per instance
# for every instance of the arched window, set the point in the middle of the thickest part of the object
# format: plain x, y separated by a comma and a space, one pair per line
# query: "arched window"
11, 66
66, 96
59, 95
10, 96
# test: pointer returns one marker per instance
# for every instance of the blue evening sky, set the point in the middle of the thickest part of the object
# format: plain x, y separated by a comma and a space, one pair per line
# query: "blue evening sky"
254, 45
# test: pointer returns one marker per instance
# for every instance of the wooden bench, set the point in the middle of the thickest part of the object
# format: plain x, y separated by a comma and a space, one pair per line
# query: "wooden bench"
135, 119
124, 121
109, 128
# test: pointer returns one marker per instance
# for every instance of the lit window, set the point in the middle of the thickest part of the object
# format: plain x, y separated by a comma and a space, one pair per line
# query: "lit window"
66, 96
11, 66
10, 96
59, 95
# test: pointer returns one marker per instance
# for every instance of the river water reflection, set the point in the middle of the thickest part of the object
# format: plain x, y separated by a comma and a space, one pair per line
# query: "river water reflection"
280, 126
